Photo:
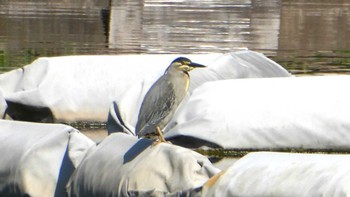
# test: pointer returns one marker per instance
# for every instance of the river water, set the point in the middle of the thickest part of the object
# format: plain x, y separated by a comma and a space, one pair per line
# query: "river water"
304, 36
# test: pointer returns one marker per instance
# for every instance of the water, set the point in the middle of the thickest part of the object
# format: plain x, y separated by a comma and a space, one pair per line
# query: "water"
305, 36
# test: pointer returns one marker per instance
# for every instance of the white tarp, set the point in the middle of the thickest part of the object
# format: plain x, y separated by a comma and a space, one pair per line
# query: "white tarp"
82, 88
273, 113
122, 165
38, 159
283, 174
242, 64
79, 88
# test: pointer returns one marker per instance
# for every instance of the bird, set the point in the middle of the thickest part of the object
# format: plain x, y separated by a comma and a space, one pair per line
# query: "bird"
163, 98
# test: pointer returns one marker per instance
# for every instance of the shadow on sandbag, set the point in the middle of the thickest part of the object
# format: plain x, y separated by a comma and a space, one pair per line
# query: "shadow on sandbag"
12, 190
115, 122
191, 142
67, 169
136, 149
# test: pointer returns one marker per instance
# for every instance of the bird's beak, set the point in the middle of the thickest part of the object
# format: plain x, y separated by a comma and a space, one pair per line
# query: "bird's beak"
195, 65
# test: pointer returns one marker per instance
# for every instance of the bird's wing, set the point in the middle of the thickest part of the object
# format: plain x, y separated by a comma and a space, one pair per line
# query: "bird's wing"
156, 105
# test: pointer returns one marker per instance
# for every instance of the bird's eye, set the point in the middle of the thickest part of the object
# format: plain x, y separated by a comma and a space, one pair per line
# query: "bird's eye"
186, 62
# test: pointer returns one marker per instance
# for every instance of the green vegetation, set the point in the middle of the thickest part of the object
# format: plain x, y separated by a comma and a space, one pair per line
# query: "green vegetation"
3, 59
298, 63
318, 62
85, 125
222, 153
10, 60
237, 153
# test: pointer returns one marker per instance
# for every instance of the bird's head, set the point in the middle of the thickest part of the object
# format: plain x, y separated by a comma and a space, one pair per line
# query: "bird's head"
184, 64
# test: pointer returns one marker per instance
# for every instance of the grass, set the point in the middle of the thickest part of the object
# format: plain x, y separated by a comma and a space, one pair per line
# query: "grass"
85, 125
237, 153
314, 63
14, 59
319, 62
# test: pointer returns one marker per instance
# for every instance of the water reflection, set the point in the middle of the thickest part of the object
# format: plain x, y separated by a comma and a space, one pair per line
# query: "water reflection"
314, 25
302, 35
44, 28
194, 26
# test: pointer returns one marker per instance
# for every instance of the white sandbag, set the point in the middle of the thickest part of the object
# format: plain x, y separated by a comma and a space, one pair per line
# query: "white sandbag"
3, 106
79, 88
38, 159
123, 165
283, 174
270, 113
236, 65
9, 80
241, 64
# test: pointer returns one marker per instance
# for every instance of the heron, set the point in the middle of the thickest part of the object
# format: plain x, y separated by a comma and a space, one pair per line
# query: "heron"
163, 98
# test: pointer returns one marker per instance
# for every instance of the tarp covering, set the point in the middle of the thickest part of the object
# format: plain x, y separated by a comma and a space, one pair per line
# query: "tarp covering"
122, 165
273, 113
38, 159
283, 174
79, 88
242, 64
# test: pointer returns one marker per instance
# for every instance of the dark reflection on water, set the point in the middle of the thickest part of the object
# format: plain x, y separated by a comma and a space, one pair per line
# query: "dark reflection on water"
45, 28
305, 36
194, 26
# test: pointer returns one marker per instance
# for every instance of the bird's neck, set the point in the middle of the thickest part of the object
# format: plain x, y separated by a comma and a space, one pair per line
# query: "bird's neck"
182, 78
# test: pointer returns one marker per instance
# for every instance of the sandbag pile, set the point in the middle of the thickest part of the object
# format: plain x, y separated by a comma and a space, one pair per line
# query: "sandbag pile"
122, 165
78, 88
242, 101
268, 114
283, 174
37, 159
82, 88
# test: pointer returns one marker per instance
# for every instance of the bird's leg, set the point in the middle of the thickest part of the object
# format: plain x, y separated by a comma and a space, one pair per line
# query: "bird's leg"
160, 135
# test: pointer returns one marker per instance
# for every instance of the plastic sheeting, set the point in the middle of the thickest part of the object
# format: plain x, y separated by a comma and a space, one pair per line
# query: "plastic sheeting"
242, 64
79, 88
123, 165
274, 113
283, 174
38, 159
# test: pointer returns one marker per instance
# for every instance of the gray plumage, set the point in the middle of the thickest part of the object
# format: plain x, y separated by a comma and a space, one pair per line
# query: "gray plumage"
163, 98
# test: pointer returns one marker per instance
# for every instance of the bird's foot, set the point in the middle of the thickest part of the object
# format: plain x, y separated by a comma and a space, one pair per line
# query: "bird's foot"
160, 138
156, 142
